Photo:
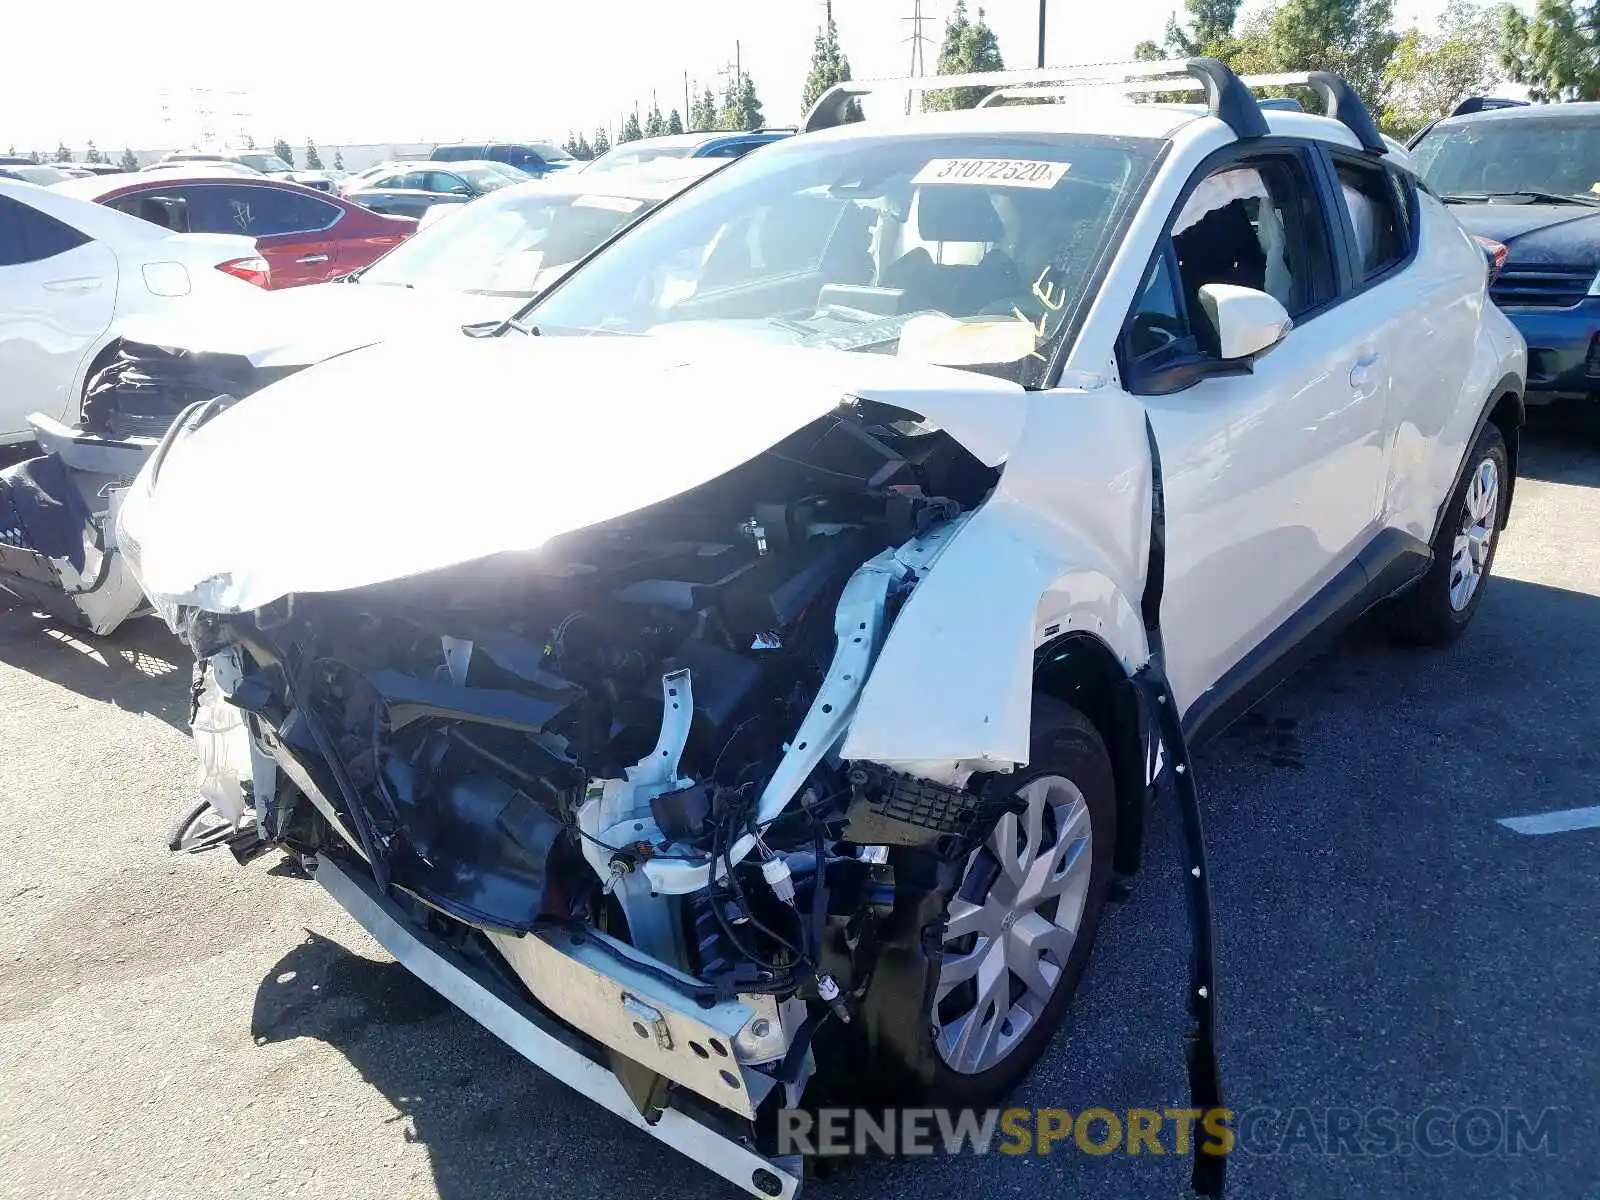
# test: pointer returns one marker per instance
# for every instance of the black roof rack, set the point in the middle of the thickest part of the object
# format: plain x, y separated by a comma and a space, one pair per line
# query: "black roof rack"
1475, 104
1229, 97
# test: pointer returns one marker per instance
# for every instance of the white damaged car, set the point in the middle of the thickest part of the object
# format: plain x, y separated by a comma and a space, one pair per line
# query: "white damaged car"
737, 680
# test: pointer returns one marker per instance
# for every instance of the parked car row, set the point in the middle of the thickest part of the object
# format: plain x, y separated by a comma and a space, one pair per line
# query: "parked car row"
721, 620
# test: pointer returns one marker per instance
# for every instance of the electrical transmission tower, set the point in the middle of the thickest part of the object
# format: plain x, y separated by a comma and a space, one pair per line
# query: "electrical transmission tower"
919, 60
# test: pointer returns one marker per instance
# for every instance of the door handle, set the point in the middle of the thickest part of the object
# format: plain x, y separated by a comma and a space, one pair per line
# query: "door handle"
80, 283
1364, 375
312, 258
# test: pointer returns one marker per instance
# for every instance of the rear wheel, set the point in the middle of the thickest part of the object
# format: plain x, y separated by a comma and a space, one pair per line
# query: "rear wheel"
1020, 926
1436, 611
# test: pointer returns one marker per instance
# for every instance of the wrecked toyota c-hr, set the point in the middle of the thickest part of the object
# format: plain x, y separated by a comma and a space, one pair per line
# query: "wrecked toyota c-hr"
751, 699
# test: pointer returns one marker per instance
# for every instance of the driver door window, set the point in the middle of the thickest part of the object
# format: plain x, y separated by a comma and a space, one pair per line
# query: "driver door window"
1256, 224
445, 184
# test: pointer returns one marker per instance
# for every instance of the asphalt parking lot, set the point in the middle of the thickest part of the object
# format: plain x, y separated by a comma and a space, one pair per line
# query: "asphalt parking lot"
179, 1026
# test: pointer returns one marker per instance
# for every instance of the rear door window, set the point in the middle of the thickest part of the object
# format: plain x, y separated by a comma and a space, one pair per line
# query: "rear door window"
255, 211
1373, 206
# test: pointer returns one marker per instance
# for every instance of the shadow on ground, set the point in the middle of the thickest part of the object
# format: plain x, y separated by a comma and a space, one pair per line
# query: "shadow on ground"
141, 667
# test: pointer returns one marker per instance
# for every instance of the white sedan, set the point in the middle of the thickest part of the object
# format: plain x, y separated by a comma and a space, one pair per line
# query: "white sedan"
71, 273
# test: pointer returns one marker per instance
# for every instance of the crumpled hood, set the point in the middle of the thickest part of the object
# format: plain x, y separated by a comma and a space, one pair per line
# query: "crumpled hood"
299, 326
1553, 234
405, 458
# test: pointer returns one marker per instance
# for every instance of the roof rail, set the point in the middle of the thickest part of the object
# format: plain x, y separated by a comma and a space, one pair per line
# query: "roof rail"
1229, 97
1226, 97
1475, 104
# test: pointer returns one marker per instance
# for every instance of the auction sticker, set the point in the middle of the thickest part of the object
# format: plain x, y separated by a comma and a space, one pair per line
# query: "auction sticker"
994, 172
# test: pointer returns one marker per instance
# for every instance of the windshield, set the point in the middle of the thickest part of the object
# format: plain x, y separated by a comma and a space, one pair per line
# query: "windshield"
550, 152
506, 245
969, 250
485, 179
264, 162
506, 170
1557, 155
632, 156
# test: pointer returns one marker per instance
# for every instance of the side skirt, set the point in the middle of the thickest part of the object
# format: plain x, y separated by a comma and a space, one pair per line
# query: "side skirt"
1391, 562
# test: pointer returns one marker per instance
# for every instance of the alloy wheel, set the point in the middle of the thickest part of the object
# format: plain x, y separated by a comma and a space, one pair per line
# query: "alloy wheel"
1480, 510
1012, 924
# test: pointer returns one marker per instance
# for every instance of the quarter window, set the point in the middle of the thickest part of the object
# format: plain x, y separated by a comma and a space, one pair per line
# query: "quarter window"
28, 235
1372, 206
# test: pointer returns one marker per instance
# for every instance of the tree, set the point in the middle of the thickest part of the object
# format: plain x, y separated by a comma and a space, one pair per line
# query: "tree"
313, 159
583, 150
968, 46
1353, 38
571, 144
655, 125
1430, 73
248, 141
828, 64
741, 107
338, 160
128, 162
282, 150
1556, 54
630, 131
703, 112
62, 153
602, 143
35, 157
92, 155
1209, 32
674, 122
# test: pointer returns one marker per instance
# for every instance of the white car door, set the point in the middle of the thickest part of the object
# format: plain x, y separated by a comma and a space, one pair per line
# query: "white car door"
1271, 475
58, 291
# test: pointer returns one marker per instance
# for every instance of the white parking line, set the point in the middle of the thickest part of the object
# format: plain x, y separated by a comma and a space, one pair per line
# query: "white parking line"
1564, 821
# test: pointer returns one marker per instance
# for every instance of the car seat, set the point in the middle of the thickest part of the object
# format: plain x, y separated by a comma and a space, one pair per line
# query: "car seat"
954, 213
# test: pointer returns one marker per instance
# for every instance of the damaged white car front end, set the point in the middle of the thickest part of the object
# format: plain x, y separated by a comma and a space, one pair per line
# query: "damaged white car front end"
633, 715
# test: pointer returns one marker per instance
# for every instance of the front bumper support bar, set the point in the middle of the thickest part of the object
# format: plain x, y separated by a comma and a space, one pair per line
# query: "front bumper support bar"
545, 1042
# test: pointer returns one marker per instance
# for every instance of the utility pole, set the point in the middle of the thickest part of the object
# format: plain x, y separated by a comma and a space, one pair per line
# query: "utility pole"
686, 100
1041, 32
919, 61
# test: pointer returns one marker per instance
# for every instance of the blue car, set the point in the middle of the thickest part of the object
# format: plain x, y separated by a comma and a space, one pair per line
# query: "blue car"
1528, 178
688, 145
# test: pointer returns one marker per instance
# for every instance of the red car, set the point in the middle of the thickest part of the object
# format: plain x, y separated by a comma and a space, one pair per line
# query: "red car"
303, 235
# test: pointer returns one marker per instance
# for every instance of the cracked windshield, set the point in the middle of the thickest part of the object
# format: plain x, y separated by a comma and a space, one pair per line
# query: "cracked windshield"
1552, 160
970, 251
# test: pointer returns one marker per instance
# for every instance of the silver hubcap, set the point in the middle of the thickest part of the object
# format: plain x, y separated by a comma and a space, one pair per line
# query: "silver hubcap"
1011, 926
1469, 561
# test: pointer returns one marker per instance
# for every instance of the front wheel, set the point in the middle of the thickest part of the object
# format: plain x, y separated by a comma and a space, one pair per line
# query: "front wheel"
1020, 926
1436, 611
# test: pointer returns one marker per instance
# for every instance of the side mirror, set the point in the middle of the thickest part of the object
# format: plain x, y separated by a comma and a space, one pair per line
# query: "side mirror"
1248, 323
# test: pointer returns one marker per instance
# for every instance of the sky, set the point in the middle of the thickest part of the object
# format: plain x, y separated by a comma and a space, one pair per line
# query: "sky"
343, 73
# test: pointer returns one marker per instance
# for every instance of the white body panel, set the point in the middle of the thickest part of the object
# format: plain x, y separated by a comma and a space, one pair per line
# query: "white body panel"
51, 313
59, 313
303, 325
695, 421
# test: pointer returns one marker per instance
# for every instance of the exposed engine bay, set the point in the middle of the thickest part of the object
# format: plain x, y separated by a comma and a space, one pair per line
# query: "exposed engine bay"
614, 760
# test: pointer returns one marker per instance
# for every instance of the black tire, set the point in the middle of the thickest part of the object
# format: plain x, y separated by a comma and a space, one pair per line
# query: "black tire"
1425, 615
1064, 743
